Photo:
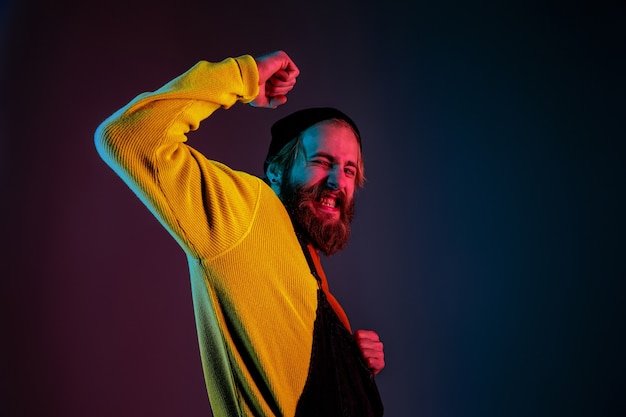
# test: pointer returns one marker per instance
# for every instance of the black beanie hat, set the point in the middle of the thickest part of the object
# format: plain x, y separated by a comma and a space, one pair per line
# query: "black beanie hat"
289, 127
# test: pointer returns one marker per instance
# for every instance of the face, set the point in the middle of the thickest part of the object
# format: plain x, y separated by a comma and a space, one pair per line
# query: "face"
319, 190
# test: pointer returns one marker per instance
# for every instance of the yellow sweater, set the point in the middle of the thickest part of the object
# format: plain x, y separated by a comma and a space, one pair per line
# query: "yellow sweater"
254, 296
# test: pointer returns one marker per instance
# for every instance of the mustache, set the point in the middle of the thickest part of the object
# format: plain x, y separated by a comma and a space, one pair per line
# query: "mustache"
318, 191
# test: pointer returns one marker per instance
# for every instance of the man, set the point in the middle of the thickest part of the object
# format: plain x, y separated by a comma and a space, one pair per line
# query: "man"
273, 339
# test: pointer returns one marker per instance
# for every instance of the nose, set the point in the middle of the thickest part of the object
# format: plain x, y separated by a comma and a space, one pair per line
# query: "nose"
336, 179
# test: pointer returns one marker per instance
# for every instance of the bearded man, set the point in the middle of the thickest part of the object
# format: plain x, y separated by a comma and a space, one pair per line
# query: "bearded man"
273, 340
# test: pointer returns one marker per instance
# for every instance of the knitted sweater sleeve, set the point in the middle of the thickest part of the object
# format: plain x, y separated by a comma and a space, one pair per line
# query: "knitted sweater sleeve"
206, 206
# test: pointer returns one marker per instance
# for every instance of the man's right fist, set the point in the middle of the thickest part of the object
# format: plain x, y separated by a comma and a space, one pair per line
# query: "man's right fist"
277, 76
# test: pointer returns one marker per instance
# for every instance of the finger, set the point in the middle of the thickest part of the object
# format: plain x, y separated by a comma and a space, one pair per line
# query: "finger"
368, 339
272, 92
366, 335
272, 82
290, 67
281, 75
278, 83
277, 101
375, 364
376, 367
373, 352
278, 86
283, 87
374, 359
285, 76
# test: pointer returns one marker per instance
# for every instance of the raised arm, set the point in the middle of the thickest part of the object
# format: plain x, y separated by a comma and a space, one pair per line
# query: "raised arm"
145, 144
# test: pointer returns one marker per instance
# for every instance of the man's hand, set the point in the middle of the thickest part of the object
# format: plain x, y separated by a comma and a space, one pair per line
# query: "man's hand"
277, 76
371, 348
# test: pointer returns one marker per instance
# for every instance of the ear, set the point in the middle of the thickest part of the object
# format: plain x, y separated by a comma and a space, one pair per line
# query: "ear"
275, 176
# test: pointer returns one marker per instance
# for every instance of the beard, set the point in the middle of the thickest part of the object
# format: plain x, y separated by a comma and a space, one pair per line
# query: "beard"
323, 230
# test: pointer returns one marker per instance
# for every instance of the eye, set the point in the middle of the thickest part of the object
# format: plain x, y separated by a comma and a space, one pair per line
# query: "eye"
321, 162
350, 172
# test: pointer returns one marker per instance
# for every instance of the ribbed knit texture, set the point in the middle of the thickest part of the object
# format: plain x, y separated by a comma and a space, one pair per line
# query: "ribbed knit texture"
254, 296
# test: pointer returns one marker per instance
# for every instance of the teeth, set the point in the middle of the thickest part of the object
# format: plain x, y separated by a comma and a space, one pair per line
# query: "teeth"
328, 202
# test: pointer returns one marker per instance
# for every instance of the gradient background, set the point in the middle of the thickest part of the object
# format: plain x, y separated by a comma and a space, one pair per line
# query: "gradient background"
488, 249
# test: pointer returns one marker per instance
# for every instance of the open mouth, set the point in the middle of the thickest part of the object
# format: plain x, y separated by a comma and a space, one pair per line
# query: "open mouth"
328, 202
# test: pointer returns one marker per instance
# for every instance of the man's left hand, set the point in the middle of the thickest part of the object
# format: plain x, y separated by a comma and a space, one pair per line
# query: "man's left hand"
371, 348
